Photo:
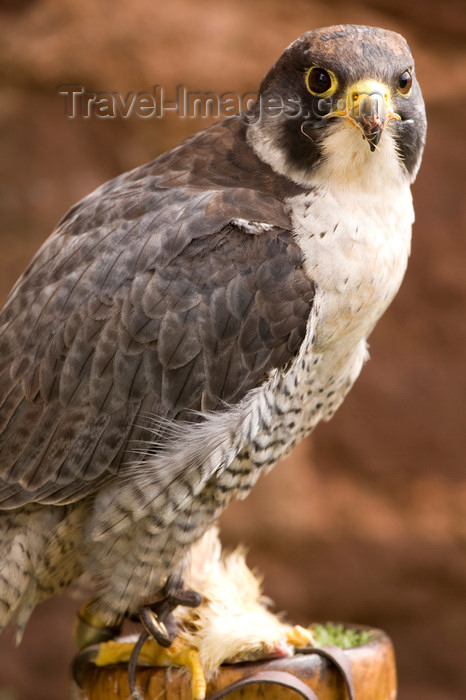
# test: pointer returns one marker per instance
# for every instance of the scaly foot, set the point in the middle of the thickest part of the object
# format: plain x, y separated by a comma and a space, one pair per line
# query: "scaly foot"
152, 653
155, 644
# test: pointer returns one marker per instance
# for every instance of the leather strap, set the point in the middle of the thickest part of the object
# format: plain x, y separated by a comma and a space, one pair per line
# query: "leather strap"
283, 678
338, 657
333, 654
132, 664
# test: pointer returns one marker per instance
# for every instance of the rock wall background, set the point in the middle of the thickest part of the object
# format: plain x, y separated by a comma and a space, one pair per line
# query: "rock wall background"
366, 521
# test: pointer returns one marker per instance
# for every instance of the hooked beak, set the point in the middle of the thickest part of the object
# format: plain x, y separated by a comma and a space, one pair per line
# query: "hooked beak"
368, 107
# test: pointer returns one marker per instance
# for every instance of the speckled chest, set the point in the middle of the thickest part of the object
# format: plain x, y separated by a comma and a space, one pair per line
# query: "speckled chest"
286, 410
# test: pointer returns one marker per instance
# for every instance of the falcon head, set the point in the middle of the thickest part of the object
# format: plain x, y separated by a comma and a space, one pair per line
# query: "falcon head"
343, 99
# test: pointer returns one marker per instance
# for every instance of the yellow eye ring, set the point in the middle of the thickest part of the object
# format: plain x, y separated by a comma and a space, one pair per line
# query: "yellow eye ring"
321, 81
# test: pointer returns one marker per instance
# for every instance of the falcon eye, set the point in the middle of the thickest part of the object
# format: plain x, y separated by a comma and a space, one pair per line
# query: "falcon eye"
404, 82
320, 81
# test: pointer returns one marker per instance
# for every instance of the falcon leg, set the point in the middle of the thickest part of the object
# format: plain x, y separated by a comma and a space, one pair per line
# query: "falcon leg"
159, 625
150, 652
155, 646
89, 628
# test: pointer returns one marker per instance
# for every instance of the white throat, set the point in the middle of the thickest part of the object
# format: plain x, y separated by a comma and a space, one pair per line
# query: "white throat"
354, 227
347, 161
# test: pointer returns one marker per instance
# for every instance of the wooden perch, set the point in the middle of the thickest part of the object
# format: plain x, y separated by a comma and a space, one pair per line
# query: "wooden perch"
372, 666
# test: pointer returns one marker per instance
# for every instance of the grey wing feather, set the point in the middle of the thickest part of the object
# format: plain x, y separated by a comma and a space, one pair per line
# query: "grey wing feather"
138, 307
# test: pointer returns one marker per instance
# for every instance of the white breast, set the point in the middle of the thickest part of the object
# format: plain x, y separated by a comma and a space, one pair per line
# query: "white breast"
354, 228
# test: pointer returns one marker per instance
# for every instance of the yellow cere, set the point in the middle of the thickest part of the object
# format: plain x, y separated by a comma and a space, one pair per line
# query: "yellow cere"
348, 104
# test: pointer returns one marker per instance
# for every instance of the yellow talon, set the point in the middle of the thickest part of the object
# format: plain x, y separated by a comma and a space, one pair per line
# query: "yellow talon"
114, 652
152, 654
189, 658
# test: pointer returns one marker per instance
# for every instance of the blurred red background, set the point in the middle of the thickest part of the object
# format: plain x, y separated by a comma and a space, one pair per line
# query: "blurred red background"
366, 521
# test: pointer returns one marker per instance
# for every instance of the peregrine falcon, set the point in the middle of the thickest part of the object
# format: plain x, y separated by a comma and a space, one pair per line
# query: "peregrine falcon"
191, 320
